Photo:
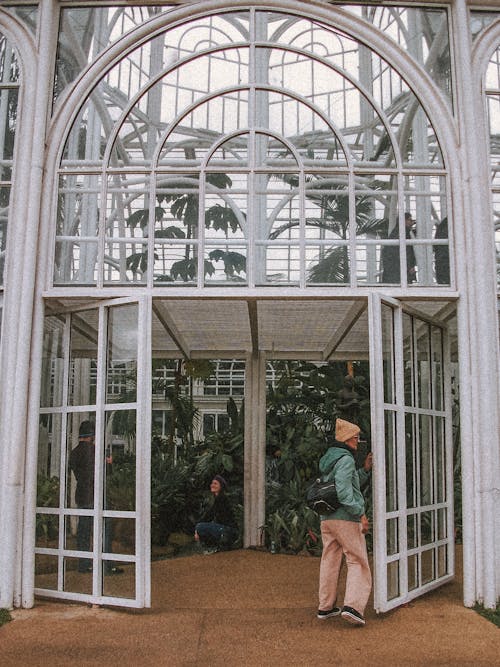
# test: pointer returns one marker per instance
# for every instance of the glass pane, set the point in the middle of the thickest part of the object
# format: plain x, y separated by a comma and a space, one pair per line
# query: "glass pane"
391, 462
388, 353
83, 358
120, 466
392, 537
4, 216
423, 364
390, 272
442, 524
121, 384
437, 367
440, 450
51, 391
125, 262
408, 360
282, 263
49, 460
46, 571
76, 224
80, 457
420, 31
441, 251
412, 572
412, 531
427, 530
119, 537
78, 205
175, 263
75, 262
225, 264
47, 530
426, 460
392, 580
442, 560
77, 580
411, 461
427, 566
124, 586
328, 264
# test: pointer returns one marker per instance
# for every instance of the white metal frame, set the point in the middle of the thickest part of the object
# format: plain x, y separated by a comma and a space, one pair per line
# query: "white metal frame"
383, 600
141, 515
30, 236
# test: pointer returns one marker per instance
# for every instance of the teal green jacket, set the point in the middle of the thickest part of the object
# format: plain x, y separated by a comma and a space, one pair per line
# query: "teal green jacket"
347, 482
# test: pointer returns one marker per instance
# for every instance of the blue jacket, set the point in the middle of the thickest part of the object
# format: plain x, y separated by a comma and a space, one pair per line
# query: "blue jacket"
347, 482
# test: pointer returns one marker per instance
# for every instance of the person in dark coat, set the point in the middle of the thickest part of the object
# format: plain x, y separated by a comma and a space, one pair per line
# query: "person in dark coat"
81, 462
391, 272
217, 527
442, 254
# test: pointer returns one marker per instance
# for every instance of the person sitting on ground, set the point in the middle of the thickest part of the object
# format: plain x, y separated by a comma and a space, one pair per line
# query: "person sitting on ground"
217, 528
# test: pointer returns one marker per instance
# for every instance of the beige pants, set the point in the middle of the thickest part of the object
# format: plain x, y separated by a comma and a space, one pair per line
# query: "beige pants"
344, 537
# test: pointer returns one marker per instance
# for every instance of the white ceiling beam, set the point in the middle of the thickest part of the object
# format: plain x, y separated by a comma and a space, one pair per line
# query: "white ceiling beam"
352, 316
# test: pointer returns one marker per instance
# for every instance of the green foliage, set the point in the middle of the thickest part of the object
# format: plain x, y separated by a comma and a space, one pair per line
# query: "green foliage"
5, 616
301, 413
492, 615
120, 483
222, 451
47, 495
293, 531
179, 487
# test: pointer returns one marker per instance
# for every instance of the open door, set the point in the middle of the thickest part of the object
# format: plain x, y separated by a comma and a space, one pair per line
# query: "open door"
92, 541
413, 456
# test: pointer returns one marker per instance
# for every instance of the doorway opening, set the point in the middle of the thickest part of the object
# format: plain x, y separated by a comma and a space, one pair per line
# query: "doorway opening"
181, 389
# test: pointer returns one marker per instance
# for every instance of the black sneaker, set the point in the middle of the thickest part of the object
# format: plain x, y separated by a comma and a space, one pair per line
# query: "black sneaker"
352, 616
334, 611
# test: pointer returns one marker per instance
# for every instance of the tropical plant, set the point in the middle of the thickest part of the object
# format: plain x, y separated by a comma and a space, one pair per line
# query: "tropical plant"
185, 208
301, 413
333, 219
222, 451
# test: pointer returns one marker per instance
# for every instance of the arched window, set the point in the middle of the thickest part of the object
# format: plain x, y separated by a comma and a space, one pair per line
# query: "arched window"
252, 148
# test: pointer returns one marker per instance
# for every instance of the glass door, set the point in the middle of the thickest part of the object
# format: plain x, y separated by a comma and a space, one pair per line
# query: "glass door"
92, 529
413, 460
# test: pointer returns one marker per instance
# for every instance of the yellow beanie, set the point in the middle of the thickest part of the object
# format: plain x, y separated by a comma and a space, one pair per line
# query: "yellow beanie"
345, 430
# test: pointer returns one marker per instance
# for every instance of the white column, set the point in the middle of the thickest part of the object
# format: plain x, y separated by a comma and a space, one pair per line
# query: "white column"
478, 336
22, 244
255, 449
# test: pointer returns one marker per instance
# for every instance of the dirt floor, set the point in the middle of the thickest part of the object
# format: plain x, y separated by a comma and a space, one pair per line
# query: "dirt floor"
247, 608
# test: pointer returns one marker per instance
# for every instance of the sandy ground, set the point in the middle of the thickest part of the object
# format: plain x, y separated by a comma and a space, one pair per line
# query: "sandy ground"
247, 608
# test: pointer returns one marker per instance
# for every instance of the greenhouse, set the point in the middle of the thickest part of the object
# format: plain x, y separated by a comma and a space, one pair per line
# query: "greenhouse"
223, 225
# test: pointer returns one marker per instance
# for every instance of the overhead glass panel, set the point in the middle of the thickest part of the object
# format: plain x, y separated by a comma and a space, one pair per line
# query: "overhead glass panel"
84, 32
421, 31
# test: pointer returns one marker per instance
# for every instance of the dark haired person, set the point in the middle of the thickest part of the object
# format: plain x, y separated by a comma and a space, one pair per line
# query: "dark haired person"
81, 462
343, 531
391, 272
217, 527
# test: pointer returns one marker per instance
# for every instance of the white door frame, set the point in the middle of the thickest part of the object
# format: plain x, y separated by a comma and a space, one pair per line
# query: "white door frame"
394, 565
141, 515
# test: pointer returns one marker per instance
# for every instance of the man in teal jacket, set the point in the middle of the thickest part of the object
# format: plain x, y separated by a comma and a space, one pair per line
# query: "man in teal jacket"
343, 531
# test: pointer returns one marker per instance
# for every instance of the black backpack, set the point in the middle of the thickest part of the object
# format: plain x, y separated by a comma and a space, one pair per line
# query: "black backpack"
321, 495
